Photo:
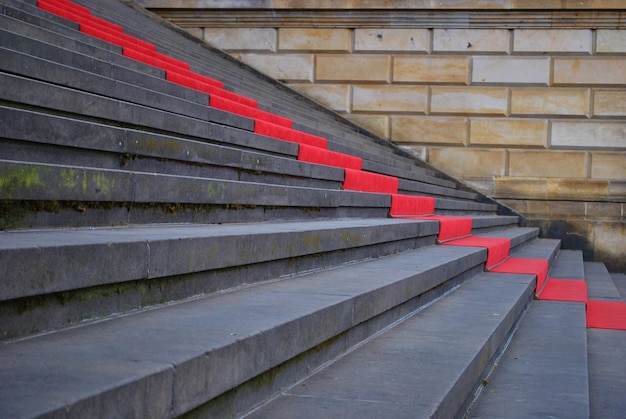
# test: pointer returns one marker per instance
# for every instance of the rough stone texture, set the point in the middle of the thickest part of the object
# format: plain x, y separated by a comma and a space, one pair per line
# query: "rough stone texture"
471, 40
590, 70
550, 101
391, 40
610, 41
311, 39
509, 132
595, 134
239, 39
469, 162
553, 40
431, 69
293, 67
356, 68
511, 70
334, 96
377, 124
606, 165
469, 100
609, 102
438, 130
375, 98
553, 164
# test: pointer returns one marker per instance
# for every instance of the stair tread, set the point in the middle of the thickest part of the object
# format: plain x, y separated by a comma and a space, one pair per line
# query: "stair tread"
133, 358
600, 285
549, 347
607, 372
386, 376
568, 265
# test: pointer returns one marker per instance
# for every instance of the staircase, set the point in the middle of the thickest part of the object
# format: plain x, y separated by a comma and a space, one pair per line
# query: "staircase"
182, 236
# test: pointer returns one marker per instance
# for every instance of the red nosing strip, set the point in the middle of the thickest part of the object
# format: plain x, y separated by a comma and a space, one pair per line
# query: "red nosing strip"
201, 78
241, 109
356, 180
288, 134
150, 59
120, 39
176, 77
452, 227
81, 18
318, 155
411, 205
606, 315
574, 290
76, 8
497, 247
537, 267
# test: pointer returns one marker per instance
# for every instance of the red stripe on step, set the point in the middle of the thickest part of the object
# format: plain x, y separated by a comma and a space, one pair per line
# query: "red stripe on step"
155, 59
80, 17
76, 8
318, 155
241, 109
175, 76
201, 78
451, 227
402, 205
497, 247
564, 290
606, 315
116, 38
288, 134
356, 180
537, 267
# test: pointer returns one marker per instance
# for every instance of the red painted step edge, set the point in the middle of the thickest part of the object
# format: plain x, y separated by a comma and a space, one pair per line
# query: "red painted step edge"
356, 180
288, 134
311, 154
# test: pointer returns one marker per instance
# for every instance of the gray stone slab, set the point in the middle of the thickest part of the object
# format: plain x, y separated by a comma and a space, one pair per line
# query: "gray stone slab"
600, 285
620, 283
457, 206
607, 372
426, 366
540, 249
543, 372
40, 262
568, 265
484, 222
213, 344
517, 235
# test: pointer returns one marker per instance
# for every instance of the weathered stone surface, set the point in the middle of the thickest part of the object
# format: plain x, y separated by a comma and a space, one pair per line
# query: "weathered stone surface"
590, 70
609, 102
549, 101
240, 39
314, 39
608, 165
529, 163
355, 67
467, 162
292, 67
378, 124
373, 98
390, 40
610, 41
471, 40
511, 70
438, 130
431, 69
469, 100
592, 134
604, 211
335, 96
509, 132
553, 40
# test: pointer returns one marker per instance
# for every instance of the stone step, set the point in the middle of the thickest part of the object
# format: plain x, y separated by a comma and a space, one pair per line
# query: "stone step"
549, 347
600, 284
427, 366
620, 283
164, 362
607, 371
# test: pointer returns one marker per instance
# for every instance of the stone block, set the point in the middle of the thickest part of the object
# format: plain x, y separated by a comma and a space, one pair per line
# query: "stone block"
528, 163
577, 189
609, 102
471, 40
469, 100
376, 98
468, 162
553, 40
550, 101
436, 130
377, 124
289, 67
590, 70
556, 208
511, 70
608, 165
401, 40
516, 188
197, 32
431, 69
366, 67
588, 134
242, 39
314, 39
604, 211
610, 41
509, 132
334, 96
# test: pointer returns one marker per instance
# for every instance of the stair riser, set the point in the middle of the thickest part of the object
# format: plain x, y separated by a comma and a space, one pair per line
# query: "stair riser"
39, 313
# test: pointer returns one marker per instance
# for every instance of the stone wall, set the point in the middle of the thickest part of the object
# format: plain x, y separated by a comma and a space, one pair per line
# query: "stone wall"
522, 100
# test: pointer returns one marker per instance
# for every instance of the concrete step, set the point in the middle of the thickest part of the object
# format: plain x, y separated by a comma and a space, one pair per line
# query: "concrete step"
620, 283
427, 366
600, 285
164, 362
607, 372
543, 372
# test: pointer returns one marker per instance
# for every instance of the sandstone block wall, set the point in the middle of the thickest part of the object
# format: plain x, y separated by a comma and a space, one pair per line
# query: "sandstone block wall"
529, 107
